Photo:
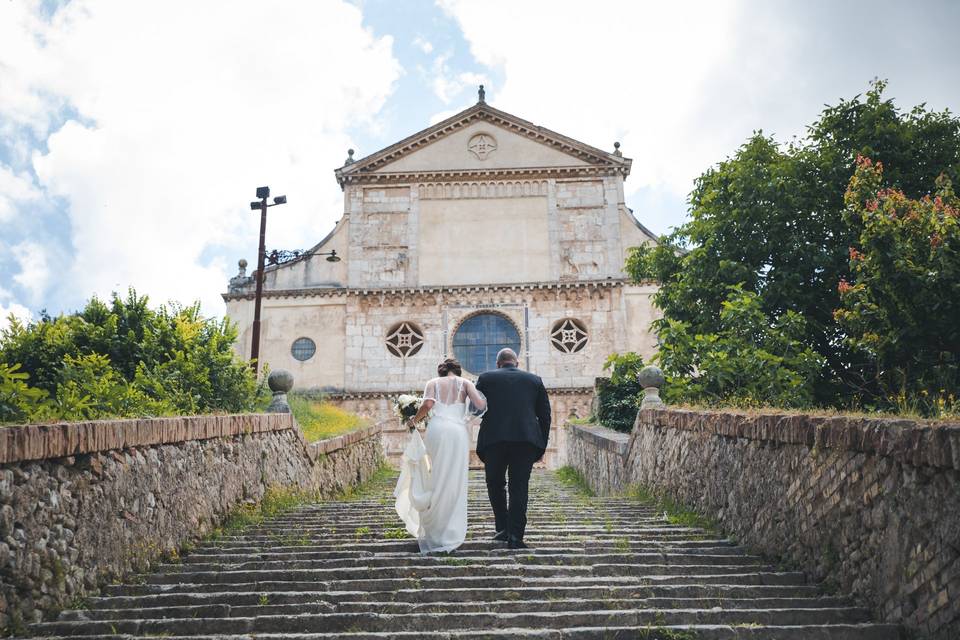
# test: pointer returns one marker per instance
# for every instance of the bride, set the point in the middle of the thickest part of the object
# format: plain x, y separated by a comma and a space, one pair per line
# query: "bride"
432, 490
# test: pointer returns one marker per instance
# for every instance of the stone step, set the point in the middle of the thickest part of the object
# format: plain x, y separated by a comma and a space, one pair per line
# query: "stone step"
262, 606
793, 593
405, 560
468, 581
647, 632
442, 620
403, 549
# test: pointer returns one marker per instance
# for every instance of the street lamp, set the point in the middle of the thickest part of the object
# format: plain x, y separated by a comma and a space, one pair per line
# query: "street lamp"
264, 194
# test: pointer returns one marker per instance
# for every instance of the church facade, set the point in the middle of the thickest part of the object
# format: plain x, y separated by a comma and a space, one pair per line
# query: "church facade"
481, 232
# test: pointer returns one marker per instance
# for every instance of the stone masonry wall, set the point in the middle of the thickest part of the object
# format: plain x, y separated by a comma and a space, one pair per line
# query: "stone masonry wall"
85, 503
872, 506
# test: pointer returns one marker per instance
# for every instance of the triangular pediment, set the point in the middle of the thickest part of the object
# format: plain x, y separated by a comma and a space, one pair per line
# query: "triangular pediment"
483, 139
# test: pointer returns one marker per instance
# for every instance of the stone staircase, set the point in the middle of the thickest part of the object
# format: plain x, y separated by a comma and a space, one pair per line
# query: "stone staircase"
598, 568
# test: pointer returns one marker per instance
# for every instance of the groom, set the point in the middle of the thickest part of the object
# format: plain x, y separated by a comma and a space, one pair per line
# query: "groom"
513, 435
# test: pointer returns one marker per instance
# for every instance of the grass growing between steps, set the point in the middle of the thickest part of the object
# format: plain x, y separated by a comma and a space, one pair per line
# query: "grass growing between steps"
369, 489
320, 420
575, 480
279, 500
675, 512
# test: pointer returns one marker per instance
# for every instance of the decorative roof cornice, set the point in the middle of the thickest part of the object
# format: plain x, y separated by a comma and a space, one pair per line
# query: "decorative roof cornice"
452, 175
328, 292
361, 170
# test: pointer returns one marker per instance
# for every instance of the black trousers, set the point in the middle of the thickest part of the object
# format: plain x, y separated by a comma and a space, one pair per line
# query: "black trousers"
517, 458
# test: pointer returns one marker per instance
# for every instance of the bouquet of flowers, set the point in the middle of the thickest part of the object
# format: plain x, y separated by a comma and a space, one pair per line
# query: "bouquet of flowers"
406, 405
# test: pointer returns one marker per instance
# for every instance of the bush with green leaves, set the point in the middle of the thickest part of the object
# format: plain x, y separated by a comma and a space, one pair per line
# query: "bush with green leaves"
121, 359
618, 397
748, 361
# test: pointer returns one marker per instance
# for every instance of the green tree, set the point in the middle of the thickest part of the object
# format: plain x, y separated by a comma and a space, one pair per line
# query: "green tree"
771, 219
901, 308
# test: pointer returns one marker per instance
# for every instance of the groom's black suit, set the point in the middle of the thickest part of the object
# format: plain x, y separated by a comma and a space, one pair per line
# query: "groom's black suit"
513, 435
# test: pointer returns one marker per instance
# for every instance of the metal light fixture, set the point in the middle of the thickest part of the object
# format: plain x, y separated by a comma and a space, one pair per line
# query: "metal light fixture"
332, 256
263, 193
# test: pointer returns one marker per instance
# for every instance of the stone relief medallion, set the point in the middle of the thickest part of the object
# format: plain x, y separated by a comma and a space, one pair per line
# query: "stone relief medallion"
404, 339
482, 145
569, 335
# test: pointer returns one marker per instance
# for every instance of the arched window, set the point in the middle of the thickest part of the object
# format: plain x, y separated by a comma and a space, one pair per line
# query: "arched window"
480, 337
303, 349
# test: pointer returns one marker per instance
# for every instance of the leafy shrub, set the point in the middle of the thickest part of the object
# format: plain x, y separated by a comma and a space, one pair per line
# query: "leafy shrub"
749, 360
121, 359
618, 397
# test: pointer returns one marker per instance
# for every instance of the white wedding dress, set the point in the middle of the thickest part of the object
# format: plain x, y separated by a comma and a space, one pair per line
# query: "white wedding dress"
432, 490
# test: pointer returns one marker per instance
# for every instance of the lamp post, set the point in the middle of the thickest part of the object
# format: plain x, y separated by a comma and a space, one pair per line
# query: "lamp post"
264, 194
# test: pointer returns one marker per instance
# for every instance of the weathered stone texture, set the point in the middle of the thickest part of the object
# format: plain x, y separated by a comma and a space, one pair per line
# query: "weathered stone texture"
870, 505
68, 524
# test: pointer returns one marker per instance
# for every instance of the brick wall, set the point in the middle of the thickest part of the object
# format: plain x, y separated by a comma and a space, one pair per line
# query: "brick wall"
871, 506
84, 503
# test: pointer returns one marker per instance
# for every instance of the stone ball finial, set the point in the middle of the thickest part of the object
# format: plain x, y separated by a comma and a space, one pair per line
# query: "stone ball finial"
616, 149
280, 380
651, 379
349, 159
242, 263
651, 376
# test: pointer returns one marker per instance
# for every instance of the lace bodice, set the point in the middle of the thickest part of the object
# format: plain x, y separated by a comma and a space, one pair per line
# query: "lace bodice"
454, 390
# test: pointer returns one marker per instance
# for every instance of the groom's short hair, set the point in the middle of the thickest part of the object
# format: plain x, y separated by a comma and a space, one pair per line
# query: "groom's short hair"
506, 355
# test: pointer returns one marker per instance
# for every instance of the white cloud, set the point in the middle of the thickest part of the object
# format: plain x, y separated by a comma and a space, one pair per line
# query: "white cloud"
682, 84
185, 109
9, 306
34, 269
446, 83
15, 189
423, 45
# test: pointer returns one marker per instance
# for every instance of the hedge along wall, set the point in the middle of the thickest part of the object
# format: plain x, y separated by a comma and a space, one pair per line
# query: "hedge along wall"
85, 503
869, 505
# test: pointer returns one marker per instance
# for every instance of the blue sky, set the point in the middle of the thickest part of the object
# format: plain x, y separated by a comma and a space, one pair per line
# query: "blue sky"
133, 135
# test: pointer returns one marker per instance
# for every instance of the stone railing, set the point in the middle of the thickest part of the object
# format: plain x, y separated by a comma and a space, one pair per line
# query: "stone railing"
85, 503
872, 506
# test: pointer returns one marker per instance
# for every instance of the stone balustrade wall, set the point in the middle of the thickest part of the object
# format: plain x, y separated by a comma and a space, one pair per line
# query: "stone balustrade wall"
871, 506
85, 503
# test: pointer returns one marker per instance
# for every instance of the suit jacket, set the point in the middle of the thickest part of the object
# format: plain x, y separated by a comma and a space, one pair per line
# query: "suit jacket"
518, 409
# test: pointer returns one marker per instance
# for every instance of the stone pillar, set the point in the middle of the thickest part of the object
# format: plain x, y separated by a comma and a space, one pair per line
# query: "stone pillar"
280, 382
651, 379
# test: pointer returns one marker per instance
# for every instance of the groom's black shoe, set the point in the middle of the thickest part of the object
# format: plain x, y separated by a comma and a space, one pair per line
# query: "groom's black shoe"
501, 536
516, 543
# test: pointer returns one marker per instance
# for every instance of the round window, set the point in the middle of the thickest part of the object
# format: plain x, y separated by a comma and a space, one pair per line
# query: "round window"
480, 337
569, 336
303, 349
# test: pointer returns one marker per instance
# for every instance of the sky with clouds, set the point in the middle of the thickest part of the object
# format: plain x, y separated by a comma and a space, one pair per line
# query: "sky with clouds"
133, 133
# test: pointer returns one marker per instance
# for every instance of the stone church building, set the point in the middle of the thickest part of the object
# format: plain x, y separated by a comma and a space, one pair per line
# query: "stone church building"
481, 232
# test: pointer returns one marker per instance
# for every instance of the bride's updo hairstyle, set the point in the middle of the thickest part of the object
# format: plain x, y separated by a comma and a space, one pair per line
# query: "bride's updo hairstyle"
450, 365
